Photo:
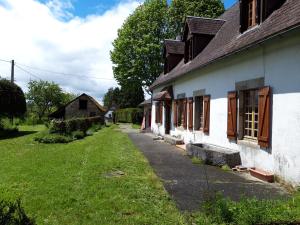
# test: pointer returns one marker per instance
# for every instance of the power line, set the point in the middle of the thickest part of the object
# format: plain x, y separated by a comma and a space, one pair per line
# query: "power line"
3, 60
26, 71
65, 74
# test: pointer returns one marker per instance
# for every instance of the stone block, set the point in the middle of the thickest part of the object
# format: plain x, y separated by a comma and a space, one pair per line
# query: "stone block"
214, 155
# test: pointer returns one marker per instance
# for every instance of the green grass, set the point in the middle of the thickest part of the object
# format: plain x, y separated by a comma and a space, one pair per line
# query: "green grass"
136, 126
68, 183
196, 160
221, 210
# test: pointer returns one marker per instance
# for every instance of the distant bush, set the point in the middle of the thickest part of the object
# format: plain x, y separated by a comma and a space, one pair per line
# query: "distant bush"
129, 115
12, 99
6, 128
47, 138
12, 213
94, 128
78, 135
69, 126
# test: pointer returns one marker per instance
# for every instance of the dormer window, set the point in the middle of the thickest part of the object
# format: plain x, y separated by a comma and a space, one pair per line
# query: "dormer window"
173, 54
252, 13
198, 32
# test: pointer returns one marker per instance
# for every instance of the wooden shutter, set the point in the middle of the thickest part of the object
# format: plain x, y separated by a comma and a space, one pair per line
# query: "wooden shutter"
156, 113
184, 114
160, 112
264, 114
190, 104
206, 103
175, 113
232, 115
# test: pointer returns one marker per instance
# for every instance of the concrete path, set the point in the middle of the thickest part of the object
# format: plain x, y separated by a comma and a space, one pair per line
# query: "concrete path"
188, 183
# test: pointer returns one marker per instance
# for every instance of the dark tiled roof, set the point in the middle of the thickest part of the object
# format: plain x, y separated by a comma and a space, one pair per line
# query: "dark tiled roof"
174, 47
229, 40
201, 25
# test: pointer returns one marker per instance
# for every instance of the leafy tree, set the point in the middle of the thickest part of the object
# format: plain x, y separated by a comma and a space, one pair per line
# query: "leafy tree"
67, 97
137, 54
44, 97
12, 99
179, 9
112, 97
137, 50
131, 97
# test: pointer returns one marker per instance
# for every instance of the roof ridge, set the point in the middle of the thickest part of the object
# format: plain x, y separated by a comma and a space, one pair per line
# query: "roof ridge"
205, 18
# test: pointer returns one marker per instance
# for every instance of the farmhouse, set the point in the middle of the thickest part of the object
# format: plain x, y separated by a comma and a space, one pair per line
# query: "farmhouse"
82, 106
234, 82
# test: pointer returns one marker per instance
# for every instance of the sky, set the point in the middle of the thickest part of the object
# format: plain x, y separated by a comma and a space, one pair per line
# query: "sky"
65, 41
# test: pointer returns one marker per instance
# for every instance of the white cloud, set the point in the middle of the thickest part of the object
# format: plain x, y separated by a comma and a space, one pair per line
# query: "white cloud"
36, 34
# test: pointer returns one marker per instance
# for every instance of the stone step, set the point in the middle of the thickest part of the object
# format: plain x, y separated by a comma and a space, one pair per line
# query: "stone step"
173, 140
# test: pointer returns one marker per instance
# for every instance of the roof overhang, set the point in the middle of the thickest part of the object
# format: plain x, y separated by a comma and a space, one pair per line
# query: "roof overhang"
162, 96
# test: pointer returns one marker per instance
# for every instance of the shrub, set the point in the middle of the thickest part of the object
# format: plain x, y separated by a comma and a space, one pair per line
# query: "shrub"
129, 115
12, 213
78, 135
6, 128
69, 126
52, 138
12, 99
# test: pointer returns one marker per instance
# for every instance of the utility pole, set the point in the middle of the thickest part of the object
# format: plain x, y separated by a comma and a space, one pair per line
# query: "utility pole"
12, 71
12, 80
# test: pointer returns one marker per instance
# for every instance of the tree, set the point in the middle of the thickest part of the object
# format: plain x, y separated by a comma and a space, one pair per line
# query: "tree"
179, 9
112, 97
137, 54
12, 99
44, 97
67, 97
131, 97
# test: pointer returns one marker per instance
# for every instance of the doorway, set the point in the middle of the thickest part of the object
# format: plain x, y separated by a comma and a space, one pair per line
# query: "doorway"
167, 117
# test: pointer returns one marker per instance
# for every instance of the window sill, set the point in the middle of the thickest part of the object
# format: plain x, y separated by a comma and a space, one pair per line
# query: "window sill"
248, 143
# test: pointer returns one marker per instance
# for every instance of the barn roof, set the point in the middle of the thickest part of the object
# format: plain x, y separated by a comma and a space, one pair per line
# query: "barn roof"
62, 108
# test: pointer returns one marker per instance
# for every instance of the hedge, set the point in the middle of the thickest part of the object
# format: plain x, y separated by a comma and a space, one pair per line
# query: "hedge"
71, 125
12, 99
129, 115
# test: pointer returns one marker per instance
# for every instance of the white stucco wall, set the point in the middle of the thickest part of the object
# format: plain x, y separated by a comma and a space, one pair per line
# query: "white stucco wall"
278, 62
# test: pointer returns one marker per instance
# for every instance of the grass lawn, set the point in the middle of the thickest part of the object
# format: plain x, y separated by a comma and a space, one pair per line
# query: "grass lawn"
71, 183
136, 126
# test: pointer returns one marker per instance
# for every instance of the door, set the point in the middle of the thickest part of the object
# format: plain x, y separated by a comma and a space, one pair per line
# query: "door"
167, 117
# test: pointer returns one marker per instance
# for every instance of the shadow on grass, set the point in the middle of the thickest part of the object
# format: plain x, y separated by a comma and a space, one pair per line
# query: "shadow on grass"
10, 135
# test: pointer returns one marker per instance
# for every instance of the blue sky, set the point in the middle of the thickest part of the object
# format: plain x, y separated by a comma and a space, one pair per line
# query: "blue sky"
66, 39
82, 8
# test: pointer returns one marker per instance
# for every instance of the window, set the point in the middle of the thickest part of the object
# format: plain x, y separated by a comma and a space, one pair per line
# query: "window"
252, 13
180, 113
92, 114
199, 118
158, 112
250, 114
252, 108
82, 104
